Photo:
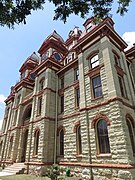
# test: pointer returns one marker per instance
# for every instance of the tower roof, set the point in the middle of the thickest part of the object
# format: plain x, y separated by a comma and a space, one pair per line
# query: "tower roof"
56, 35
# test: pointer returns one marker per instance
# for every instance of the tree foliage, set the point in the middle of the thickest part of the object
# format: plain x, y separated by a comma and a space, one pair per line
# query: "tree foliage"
15, 11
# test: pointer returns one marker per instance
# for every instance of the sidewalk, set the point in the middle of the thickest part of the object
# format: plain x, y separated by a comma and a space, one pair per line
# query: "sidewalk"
6, 174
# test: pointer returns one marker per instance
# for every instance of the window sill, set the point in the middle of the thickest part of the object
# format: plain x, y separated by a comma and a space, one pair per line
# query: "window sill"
78, 155
96, 98
38, 115
35, 156
77, 107
104, 155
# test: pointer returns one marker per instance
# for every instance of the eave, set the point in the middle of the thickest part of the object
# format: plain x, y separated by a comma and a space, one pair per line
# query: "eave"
24, 83
130, 52
28, 65
103, 29
56, 44
10, 98
48, 63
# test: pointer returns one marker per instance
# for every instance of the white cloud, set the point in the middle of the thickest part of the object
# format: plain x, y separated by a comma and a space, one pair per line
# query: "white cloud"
129, 37
2, 98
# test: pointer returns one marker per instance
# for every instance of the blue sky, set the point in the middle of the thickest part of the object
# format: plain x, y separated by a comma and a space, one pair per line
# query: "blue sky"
16, 45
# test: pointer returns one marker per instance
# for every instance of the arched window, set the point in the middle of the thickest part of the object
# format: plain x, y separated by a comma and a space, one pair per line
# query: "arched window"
102, 137
41, 84
78, 140
1, 146
94, 61
61, 136
131, 133
10, 146
36, 142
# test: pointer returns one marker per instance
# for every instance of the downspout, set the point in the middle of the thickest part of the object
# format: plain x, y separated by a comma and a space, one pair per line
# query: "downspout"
56, 121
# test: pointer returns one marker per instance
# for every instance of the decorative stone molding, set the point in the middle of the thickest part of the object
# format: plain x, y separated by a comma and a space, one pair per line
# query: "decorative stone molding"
98, 117
75, 126
128, 116
93, 53
60, 128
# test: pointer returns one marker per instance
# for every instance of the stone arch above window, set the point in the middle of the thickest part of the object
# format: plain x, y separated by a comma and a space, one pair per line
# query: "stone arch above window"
41, 83
98, 117
93, 53
131, 130
60, 128
37, 129
128, 116
36, 141
27, 114
77, 124
116, 58
115, 53
93, 59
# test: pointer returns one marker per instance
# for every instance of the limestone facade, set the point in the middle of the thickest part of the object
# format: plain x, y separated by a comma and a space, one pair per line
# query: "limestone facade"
75, 105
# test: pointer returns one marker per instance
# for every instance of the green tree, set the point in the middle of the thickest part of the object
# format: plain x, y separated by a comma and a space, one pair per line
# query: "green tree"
15, 11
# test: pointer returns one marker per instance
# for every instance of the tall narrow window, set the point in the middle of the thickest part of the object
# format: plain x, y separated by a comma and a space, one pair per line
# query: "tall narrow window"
102, 137
122, 86
1, 146
94, 61
97, 86
76, 74
62, 104
39, 105
36, 142
61, 142
78, 140
77, 97
117, 60
41, 84
10, 147
62, 82
131, 134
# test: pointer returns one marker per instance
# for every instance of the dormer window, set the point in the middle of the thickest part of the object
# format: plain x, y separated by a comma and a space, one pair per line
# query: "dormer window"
23, 75
57, 56
70, 46
45, 55
94, 61
88, 27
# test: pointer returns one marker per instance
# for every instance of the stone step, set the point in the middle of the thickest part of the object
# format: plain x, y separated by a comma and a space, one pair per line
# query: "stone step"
16, 168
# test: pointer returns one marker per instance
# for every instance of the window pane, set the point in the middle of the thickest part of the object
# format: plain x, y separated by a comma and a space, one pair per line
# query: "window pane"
122, 87
95, 58
103, 140
78, 140
62, 104
97, 87
62, 142
62, 82
131, 134
77, 97
94, 61
76, 74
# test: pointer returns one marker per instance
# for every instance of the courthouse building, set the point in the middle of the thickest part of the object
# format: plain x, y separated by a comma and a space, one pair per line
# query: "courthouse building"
75, 105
